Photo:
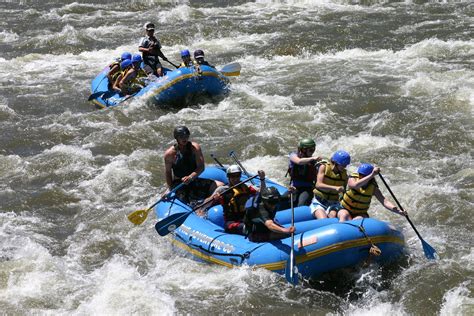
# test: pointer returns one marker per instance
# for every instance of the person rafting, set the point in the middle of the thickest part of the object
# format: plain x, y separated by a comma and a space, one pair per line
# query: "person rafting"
199, 58
128, 82
139, 76
331, 182
302, 170
118, 84
362, 187
150, 47
115, 69
184, 162
234, 202
186, 59
260, 225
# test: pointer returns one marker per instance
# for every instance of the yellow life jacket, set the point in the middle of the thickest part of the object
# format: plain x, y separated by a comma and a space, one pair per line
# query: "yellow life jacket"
138, 78
115, 62
357, 201
117, 74
132, 85
183, 64
235, 208
331, 178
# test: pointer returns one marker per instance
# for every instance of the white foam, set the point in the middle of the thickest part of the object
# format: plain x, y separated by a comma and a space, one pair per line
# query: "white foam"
458, 300
113, 182
119, 289
310, 6
12, 165
8, 37
377, 309
70, 151
33, 273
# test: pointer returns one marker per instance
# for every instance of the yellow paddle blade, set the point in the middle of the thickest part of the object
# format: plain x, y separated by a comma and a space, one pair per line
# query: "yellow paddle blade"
138, 217
231, 69
230, 74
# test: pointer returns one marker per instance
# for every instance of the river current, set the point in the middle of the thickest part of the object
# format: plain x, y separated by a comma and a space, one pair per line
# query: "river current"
392, 82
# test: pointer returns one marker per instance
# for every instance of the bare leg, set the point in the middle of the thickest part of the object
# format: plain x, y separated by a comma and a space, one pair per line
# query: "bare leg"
319, 213
344, 215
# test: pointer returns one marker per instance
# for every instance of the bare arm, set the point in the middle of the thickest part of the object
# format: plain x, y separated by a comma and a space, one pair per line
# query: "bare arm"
304, 160
271, 225
169, 158
112, 71
386, 203
129, 75
116, 85
354, 183
320, 181
144, 49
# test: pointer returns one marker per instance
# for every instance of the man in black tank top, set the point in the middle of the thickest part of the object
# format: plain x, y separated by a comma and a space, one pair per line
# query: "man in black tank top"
184, 162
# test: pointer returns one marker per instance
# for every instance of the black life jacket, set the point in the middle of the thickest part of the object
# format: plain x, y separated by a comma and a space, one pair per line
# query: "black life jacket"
185, 162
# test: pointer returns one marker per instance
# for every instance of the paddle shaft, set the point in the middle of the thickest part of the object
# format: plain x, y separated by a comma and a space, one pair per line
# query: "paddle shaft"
398, 203
179, 186
172, 64
224, 192
234, 156
170, 223
217, 161
292, 252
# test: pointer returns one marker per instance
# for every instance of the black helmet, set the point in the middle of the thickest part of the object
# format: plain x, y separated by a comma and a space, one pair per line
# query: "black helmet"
198, 53
270, 195
181, 131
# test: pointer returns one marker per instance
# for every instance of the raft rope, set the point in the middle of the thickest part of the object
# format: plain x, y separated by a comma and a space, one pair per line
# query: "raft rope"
242, 257
172, 200
374, 250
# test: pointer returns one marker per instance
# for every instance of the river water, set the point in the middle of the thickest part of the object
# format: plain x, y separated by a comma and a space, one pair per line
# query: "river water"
390, 82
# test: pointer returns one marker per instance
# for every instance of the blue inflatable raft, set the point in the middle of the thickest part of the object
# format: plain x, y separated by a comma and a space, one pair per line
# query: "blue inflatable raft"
319, 245
180, 87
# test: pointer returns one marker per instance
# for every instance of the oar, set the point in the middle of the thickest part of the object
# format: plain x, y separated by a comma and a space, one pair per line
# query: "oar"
291, 272
95, 95
234, 156
172, 64
217, 161
430, 253
231, 70
140, 216
170, 223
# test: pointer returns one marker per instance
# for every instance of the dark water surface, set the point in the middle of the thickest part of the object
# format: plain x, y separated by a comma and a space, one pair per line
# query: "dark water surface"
390, 82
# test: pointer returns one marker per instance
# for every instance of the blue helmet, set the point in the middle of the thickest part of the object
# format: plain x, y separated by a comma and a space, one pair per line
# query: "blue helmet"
365, 169
126, 63
185, 53
341, 157
126, 55
136, 58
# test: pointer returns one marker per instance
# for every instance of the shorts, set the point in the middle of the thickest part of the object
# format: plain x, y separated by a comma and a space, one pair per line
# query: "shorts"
326, 205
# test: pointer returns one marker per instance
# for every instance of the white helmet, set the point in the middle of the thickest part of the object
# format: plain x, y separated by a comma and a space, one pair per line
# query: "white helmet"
233, 169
